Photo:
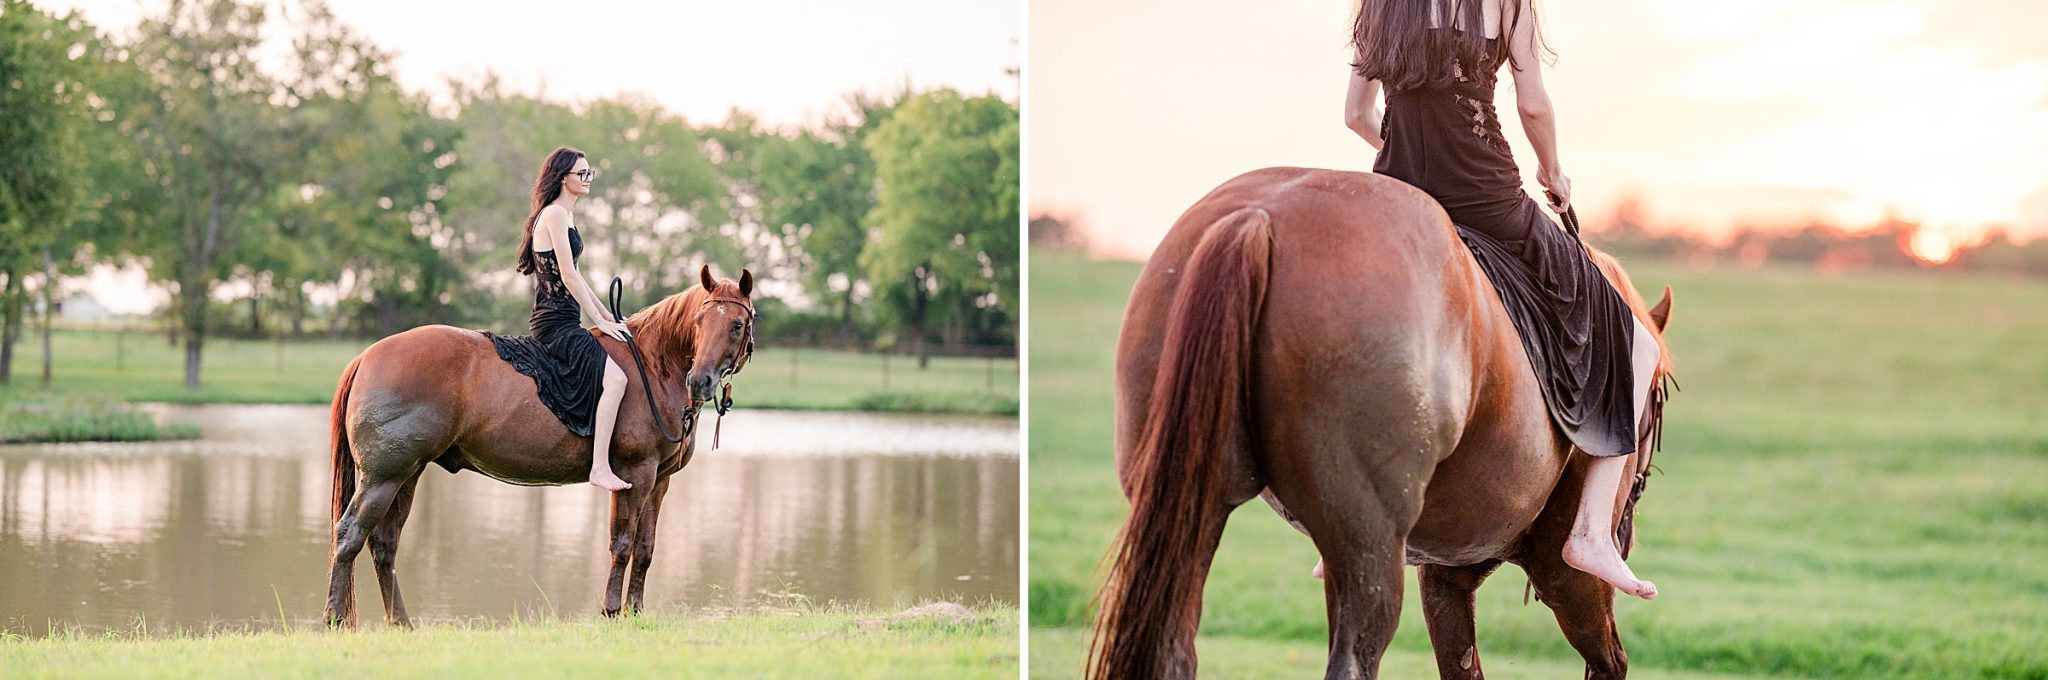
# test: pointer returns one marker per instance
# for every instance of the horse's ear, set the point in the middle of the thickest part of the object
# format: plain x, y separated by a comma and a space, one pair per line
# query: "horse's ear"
1661, 314
746, 283
705, 276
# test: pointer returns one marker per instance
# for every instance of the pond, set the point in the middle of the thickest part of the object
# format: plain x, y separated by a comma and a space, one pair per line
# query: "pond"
232, 530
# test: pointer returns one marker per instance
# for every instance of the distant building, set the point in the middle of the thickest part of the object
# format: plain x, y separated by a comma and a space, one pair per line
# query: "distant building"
83, 307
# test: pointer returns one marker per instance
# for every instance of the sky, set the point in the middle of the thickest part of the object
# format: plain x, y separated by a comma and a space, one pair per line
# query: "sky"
788, 62
784, 60
1711, 114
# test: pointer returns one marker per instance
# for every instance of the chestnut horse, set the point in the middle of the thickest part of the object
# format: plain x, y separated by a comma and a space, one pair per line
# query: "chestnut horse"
1323, 338
441, 395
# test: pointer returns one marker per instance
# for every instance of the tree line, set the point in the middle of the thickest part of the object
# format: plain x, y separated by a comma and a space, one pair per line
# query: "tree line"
251, 191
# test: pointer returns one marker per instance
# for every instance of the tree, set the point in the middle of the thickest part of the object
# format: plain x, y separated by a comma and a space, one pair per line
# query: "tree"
43, 116
947, 167
366, 199
209, 147
657, 188
816, 190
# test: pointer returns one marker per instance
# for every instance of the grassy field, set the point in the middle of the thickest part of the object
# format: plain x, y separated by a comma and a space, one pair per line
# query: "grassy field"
768, 644
1855, 484
143, 367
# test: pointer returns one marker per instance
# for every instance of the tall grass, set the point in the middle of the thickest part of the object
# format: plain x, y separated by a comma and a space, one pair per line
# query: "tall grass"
1855, 484
39, 416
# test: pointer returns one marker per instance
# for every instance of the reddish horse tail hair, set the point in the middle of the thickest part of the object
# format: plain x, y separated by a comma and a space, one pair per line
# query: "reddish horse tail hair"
344, 459
1152, 600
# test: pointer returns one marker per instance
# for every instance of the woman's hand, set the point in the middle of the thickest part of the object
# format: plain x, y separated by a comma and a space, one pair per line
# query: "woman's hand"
615, 329
1557, 187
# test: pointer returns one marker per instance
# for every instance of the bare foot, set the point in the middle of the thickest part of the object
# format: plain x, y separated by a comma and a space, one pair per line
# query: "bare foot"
608, 481
1319, 568
1585, 553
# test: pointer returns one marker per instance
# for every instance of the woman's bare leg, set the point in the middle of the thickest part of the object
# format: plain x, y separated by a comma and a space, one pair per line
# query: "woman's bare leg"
607, 415
1591, 547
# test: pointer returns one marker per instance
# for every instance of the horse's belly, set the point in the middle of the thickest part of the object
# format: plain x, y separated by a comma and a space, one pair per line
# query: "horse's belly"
524, 463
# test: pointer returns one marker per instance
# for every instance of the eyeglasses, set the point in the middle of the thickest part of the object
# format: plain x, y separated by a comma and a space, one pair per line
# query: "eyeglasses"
587, 174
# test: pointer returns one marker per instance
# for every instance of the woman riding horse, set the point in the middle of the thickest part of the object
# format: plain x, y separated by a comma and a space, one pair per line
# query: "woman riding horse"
1437, 61
571, 371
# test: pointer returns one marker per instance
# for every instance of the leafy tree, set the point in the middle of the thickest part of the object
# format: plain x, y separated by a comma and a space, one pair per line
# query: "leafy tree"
654, 197
368, 193
947, 209
816, 190
43, 74
209, 146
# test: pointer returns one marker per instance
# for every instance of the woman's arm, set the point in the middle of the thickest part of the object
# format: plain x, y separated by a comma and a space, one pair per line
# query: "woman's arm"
555, 220
1539, 120
1362, 112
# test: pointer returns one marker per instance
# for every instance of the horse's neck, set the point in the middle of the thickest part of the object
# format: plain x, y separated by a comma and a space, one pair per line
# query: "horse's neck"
665, 332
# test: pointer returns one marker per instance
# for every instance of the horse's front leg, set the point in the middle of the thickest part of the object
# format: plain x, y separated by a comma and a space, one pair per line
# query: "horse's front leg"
1448, 610
1582, 603
626, 507
643, 545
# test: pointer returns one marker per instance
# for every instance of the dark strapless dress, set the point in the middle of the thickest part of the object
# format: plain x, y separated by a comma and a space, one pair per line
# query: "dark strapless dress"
563, 357
1575, 327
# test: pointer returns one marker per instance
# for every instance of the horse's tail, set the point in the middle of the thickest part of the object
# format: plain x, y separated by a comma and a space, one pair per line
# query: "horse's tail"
344, 459
1151, 602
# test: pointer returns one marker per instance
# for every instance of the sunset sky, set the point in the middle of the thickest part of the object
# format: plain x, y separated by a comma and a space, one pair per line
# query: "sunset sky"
1760, 112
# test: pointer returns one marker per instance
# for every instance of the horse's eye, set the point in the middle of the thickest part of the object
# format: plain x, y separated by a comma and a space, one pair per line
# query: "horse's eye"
736, 326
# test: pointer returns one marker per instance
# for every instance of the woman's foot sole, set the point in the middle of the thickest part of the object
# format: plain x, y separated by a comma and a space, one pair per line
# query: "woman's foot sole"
1608, 566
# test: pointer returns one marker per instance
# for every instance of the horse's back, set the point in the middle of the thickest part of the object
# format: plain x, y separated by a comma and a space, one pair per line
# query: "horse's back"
432, 390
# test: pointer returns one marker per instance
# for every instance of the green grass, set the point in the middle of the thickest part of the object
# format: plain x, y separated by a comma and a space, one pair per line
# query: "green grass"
143, 367
1855, 484
811, 643
39, 416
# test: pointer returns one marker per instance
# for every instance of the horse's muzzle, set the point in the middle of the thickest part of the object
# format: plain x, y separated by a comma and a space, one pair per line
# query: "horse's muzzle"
703, 387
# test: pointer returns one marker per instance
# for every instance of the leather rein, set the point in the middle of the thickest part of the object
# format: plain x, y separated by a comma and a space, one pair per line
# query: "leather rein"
690, 410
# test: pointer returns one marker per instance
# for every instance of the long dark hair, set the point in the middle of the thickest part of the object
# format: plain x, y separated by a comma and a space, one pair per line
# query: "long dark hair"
1393, 43
546, 188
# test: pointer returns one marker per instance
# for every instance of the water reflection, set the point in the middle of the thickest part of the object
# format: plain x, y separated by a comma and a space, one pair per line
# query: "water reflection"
229, 530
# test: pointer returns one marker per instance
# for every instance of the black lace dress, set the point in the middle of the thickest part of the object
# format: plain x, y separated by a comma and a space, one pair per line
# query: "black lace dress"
564, 359
1576, 329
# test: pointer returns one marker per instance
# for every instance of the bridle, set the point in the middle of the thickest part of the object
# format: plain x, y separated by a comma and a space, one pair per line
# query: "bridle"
724, 401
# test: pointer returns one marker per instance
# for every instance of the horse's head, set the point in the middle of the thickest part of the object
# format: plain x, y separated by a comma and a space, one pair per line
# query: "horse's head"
724, 324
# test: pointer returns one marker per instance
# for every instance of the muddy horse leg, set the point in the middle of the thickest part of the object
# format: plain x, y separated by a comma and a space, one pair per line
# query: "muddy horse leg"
384, 552
1582, 603
363, 514
1447, 608
643, 545
625, 518
1584, 606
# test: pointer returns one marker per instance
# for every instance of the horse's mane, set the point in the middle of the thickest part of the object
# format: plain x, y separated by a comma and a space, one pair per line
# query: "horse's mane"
1625, 533
668, 328
1618, 277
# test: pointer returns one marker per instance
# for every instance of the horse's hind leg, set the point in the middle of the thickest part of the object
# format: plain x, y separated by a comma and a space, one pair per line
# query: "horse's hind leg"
1358, 516
1447, 608
363, 514
384, 551
643, 546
